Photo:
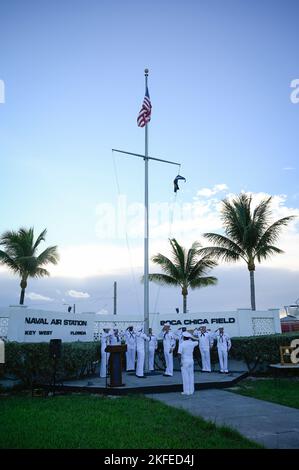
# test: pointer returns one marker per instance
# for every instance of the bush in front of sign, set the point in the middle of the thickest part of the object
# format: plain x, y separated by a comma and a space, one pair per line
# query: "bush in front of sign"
260, 351
30, 362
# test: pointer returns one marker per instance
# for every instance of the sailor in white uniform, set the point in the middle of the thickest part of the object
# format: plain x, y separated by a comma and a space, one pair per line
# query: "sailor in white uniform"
169, 343
140, 343
186, 349
115, 338
105, 340
130, 338
205, 340
152, 347
223, 345
179, 334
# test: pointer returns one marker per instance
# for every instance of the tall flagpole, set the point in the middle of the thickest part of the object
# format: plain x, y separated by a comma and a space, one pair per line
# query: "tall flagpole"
146, 159
146, 237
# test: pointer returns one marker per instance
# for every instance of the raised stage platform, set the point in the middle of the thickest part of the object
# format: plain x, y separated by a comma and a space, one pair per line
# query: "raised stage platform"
155, 383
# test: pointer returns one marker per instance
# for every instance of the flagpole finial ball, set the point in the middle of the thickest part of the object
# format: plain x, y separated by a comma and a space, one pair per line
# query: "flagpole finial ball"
146, 71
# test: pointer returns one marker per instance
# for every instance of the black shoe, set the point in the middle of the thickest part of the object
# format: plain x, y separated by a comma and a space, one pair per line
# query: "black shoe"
140, 376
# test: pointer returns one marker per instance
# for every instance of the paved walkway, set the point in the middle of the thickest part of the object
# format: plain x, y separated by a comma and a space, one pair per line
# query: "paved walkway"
274, 426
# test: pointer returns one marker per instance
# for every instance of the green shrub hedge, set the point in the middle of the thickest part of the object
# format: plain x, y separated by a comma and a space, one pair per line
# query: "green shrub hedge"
256, 351
260, 351
30, 362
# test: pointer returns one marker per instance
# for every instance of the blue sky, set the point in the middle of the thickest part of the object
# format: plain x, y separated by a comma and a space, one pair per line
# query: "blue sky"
220, 75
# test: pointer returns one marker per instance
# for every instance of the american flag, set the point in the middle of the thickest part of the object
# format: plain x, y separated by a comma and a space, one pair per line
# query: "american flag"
144, 115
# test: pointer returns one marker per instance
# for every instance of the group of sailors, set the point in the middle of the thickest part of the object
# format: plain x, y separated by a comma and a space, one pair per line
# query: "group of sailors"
188, 340
135, 341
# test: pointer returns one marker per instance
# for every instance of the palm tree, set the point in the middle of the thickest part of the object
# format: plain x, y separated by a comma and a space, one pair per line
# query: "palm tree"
186, 269
250, 235
20, 255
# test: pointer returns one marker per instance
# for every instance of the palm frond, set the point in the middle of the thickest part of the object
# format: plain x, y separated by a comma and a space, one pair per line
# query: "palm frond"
40, 272
179, 254
49, 255
221, 253
272, 233
267, 251
183, 269
261, 214
20, 253
192, 256
40, 238
201, 268
166, 264
203, 282
18, 243
6, 260
163, 279
224, 242
236, 217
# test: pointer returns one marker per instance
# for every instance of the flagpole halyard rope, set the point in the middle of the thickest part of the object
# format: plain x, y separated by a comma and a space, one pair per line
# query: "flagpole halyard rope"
127, 238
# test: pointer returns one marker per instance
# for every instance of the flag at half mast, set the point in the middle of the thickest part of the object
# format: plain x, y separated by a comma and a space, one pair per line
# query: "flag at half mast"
144, 115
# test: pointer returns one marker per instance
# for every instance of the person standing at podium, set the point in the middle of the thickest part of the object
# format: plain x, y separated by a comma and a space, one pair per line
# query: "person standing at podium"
105, 340
130, 339
115, 337
140, 347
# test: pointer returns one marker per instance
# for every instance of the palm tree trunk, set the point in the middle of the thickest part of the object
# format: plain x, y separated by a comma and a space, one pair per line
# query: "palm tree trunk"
252, 290
23, 285
22, 296
184, 303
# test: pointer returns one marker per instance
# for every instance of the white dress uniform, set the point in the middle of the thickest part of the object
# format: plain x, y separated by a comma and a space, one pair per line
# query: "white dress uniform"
186, 349
115, 338
152, 346
205, 341
223, 346
105, 340
140, 340
179, 336
168, 346
130, 338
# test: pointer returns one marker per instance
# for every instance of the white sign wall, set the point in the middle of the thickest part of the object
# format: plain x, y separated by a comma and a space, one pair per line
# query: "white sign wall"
36, 326
236, 323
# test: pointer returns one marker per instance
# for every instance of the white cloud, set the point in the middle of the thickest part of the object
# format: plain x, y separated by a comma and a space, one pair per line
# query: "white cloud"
289, 168
103, 311
34, 296
77, 294
186, 222
208, 192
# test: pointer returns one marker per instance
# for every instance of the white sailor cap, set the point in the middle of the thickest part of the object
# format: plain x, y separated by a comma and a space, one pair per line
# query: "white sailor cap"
186, 334
167, 323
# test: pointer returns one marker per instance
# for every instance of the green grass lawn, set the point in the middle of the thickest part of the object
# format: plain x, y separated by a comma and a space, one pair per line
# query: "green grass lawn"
83, 421
282, 391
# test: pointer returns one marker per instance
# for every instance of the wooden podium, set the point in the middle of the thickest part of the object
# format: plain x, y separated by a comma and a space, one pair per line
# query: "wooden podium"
116, 363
